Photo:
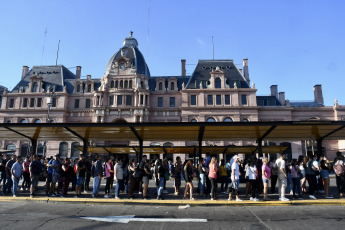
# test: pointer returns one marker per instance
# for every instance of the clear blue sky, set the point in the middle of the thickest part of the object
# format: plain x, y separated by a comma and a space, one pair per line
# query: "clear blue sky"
292, 43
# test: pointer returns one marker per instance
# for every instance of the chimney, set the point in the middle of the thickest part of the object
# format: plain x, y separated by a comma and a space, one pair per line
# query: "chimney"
240, 71
318, 98
274, 91
25, 71
183, 65
78, 72
245, 69
282, 98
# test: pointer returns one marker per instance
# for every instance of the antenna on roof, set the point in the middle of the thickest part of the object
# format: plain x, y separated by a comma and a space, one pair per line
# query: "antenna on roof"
44, 43
57, 53
213, 47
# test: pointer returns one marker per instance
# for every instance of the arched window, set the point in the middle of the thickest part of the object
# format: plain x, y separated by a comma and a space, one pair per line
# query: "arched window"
35, 87
130, 84
168, 144
116, 84
74, 151
38, 121
112, 84
172, 86
245, 120
193, 120
23, 121
63, 149
78, 88
126, 84
228, 119
160, 86
121, 84
210, 119
218, 84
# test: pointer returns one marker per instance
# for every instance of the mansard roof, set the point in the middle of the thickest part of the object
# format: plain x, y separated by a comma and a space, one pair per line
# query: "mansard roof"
203, 69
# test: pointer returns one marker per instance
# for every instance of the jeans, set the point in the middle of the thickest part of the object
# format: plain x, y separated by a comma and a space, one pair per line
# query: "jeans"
3, 179
107, 185
213, 187
64, 185
8, 185
296, 186
224, 180
281, 186
160, 186
118, 186
202, 183
26, 181
311, 178
15, 185
253, 184
96, 184
289, 183
234, 187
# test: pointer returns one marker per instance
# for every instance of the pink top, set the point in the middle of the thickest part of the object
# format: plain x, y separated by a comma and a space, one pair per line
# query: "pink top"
107, 167
26, 167
212, 173
294, 172
266, 172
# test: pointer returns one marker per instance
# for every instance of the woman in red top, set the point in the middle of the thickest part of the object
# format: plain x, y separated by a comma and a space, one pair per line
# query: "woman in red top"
26, 174
212, 175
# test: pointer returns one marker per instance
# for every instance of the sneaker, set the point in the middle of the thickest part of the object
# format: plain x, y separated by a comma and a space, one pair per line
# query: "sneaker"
76, 196
256, 199
14, 196
85, 191
117, 198
291, 192
93, 196
159, 198
62, 196
140, 193
31, 196
58, 194
53, 195
284, 199
165, 191
329, 197
300, 198
251, 199
106, 196
322, 192
239, 200
312, 197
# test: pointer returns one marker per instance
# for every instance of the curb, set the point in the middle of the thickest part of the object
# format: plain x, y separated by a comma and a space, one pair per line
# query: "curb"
195, 203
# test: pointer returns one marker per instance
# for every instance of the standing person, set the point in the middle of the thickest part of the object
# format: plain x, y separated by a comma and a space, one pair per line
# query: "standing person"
141, 170
118, 177
3, 178
202, 176
188, 176
9, 182
252, 177
266, 176
166, 175
80, 173
146, 178
339, 164
235, 178
16, 172
337, 179
207, 165
125, 175
178, 170
74, 177
288, 178
97, 176
325, 166
26, 174
212, 175
66, 174
49, 178
274, 174
109, 174
281, 177
35, 169
88, 166
56, 175
311, 177
296, 182
159, 178
302, 163
134, 177
223, 177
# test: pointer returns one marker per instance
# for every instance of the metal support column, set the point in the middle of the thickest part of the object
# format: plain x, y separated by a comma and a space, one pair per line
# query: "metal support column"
140, 155
319, 147
201, 137
34, 147
85, 146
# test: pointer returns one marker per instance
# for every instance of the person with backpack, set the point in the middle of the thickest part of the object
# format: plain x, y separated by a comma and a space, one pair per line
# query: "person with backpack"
97, 173
35, 169
339, 172
56, 175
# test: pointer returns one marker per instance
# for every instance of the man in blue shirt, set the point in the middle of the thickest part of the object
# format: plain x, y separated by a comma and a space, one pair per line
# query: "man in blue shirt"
16, 172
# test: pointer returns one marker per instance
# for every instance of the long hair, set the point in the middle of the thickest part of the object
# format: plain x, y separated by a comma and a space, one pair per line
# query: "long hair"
213, 160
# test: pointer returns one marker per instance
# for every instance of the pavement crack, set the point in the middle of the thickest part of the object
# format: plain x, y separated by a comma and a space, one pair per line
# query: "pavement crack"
47, 221
258, 218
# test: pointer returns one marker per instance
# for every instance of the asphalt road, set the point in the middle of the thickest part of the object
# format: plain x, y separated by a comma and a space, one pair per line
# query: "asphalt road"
68, 216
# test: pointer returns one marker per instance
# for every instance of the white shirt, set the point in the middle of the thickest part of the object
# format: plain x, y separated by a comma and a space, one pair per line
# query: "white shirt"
281, 165
118, 172
237, 171
252, 172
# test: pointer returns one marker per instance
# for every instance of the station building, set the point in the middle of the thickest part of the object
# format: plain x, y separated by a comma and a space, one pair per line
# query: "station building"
217, 91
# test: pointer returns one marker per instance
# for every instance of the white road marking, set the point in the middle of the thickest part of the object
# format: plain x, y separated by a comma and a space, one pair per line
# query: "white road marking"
127, 219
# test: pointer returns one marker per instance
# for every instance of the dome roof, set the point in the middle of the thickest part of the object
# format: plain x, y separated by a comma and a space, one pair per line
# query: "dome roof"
130, 51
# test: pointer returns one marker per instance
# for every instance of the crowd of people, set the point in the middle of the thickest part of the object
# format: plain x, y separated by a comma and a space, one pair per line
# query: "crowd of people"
124, 176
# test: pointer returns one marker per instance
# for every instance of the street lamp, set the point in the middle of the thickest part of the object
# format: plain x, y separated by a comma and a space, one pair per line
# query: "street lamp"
50, 98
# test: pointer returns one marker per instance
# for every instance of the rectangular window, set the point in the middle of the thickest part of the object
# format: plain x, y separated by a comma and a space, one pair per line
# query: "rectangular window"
88, 103
172, 102
193, 100
218, 99
76, 103
32, 102
141, 99
11, 103
210, 99
160, 102
39, 102
54, 102
119, 99
25, 102
128, 100
244, 99
227, 99
111, 100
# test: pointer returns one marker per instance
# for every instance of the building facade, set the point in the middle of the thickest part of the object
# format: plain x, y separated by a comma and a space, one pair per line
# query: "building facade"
217, 91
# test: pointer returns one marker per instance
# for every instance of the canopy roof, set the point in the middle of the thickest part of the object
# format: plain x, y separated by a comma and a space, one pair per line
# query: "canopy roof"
183, 150
175, 131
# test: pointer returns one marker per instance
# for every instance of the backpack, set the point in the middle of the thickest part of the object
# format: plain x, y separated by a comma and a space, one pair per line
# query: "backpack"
338, 169
75, 169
